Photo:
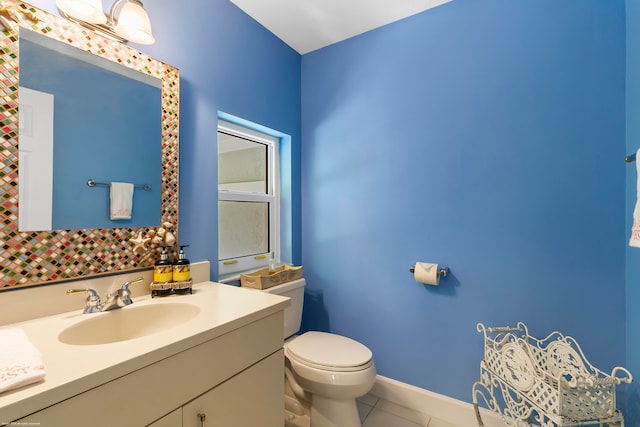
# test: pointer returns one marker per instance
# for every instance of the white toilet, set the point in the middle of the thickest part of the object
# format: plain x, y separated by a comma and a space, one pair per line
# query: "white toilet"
325, 372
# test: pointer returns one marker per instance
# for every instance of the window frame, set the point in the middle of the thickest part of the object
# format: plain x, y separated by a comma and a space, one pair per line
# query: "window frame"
237, 265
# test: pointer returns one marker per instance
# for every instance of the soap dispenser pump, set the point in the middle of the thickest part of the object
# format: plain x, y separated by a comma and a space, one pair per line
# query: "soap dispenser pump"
163, 269
182, 267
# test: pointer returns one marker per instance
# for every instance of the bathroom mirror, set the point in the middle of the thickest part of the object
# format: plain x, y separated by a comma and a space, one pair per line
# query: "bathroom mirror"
76, 108
39, 257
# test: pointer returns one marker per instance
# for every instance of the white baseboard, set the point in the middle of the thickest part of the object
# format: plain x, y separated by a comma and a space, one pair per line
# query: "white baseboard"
451, 410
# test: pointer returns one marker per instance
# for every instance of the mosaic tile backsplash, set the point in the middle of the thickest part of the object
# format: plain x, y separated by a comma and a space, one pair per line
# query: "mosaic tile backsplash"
32, 258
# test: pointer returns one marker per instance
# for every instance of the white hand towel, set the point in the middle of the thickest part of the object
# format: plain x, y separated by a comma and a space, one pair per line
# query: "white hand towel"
121, 200
20, 362
635, 229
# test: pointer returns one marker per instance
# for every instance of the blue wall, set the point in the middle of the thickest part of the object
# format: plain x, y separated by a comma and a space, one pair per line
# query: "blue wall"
484, 135
633, 254
230, 63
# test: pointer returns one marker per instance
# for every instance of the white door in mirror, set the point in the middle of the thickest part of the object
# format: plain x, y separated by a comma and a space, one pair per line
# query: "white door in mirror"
35, 199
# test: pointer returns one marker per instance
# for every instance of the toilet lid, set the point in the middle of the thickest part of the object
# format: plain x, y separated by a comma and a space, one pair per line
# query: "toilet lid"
329, 350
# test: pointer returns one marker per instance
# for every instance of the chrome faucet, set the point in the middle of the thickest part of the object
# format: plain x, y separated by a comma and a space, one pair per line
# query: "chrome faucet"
119, 298
93, 300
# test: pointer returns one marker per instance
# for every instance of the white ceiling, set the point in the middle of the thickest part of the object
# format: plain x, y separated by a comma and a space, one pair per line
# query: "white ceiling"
307, 25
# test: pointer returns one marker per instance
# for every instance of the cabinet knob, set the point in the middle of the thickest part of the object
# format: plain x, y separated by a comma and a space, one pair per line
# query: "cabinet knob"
202, 417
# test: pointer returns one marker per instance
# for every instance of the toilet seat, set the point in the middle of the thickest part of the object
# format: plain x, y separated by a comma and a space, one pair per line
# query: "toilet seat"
329, 352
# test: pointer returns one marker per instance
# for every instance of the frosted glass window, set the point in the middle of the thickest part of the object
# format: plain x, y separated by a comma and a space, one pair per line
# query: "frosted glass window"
248, 198
242, 164
244, 229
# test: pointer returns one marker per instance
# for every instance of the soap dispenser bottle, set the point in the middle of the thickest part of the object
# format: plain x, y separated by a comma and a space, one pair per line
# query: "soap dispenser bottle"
163, 269
182, 267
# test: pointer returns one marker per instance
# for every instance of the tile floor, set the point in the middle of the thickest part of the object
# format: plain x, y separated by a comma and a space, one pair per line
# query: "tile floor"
375, 412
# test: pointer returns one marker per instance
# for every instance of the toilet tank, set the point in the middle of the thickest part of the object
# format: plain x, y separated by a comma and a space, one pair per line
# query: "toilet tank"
293, 313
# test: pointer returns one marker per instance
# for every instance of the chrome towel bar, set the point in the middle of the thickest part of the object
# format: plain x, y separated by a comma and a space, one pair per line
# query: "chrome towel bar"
93, 183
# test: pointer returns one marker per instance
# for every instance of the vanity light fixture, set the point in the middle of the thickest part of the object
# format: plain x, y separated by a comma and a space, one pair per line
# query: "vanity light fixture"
131, 23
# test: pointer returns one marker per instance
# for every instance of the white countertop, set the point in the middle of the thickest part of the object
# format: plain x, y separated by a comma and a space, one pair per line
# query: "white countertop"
73, 369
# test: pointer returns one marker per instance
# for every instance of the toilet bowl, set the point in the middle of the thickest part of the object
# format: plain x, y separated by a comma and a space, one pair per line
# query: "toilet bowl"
335, 370
325, 372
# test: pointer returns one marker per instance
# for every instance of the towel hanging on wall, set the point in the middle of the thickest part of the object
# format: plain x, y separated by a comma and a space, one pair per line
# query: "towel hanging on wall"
634, 241
121, 195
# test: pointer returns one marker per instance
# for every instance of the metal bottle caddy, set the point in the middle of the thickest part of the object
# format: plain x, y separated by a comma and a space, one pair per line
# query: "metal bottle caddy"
547, 383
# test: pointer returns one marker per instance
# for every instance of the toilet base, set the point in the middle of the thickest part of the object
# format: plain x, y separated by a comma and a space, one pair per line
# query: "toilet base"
295, 412
334, 413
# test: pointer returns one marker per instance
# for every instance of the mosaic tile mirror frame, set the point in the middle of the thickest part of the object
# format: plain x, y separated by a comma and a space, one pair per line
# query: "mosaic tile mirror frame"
42, 257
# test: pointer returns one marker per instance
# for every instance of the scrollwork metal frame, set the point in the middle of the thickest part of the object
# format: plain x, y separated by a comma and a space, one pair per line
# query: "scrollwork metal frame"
546, 382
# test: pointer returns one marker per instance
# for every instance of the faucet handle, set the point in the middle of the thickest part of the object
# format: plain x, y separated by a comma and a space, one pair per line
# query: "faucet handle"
125, 285
93, 300
124, 293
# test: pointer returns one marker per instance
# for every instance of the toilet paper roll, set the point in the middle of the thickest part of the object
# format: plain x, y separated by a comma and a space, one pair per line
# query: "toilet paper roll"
427, 273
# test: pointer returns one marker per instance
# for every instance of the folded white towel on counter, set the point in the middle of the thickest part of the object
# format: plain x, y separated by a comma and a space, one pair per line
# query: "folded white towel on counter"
20, 362
635, 228
121, 200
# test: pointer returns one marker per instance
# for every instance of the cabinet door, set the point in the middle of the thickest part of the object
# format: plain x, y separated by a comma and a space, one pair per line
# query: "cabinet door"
254, 397
174, 419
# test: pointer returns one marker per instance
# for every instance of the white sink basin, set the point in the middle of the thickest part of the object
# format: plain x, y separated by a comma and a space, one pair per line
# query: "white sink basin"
127, 323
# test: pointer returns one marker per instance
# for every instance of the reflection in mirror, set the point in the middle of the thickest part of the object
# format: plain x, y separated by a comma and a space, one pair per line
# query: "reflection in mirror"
40, 257
106, 126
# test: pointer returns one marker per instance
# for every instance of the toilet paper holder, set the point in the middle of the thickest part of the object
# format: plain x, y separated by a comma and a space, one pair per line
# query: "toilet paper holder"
442, 271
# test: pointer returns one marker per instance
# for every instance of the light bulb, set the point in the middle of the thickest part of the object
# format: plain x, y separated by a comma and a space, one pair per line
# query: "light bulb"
85, 10
133, 24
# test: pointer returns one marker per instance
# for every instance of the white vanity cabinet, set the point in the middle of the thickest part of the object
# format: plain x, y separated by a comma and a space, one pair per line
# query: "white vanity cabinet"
246, 400
235, 379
